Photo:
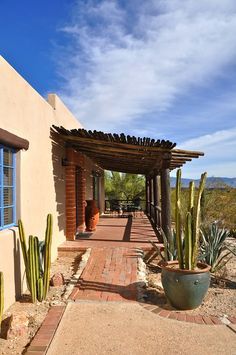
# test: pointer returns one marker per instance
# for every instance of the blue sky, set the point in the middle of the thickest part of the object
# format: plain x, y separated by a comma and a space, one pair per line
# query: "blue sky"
158, 68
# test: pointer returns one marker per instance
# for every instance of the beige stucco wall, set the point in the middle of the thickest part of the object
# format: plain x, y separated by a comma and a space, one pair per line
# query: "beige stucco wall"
40, 175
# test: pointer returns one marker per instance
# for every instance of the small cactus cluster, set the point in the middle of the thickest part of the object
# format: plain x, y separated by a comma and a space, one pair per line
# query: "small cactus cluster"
37, 259
189, 227
1, 296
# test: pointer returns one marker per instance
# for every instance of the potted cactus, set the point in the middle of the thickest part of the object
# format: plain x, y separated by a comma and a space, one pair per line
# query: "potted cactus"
186, 280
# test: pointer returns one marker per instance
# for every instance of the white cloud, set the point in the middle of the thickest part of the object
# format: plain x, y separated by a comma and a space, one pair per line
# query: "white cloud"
122, 65
219, 148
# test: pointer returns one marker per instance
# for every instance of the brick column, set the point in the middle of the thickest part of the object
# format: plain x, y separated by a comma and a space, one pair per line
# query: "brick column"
75, 159
81, 200
70, 202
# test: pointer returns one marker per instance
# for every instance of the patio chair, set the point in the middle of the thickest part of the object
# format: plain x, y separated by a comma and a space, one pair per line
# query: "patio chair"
115, 207
137, 205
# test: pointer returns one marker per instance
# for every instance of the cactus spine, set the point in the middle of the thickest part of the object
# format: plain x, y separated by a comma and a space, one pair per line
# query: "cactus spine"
187, 253
47, 255
37, 277
1, 296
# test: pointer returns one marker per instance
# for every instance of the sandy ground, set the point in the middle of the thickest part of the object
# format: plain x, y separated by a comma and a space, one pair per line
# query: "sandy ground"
127, 328
35, 313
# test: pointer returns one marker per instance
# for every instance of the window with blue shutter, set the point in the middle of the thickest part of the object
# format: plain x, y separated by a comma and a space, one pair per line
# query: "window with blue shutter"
7, 187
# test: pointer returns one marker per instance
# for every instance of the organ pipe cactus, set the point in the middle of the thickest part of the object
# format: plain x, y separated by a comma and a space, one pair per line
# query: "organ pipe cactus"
47, 255
188, 228
37, 259
1, 296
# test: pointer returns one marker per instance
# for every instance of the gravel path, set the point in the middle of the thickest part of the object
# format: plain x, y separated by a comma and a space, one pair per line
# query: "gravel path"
99, 328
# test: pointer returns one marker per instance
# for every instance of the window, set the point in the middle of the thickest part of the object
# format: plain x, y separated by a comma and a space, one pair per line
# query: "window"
7, 187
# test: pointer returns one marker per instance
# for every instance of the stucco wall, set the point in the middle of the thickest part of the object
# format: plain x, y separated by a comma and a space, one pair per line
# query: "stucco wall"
40, 175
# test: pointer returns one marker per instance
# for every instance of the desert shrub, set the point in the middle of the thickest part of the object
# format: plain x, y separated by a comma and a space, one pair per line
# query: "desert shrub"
217, 205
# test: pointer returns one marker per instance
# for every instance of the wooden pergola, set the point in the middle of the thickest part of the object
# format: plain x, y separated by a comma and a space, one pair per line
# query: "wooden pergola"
152, 158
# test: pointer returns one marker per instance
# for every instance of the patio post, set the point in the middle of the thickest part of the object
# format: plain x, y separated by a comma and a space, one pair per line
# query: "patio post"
166, 201
159, 200
155, 193
151, 198
147, 196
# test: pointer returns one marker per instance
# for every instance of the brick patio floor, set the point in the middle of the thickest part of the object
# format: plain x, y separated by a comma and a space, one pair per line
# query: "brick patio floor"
115, 232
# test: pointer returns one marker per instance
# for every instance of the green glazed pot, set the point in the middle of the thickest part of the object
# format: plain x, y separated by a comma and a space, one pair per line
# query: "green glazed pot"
185, 289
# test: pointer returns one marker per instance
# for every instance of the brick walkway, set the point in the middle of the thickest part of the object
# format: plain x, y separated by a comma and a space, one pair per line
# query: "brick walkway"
111, 272
110, 275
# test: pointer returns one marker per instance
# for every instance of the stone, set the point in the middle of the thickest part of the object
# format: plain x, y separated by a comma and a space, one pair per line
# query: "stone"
57, 280
17, 326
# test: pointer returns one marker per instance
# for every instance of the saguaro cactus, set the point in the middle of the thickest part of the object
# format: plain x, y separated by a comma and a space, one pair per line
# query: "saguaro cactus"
37, 267
188, 247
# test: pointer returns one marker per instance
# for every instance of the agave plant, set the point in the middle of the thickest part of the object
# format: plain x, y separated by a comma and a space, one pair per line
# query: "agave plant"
213, 248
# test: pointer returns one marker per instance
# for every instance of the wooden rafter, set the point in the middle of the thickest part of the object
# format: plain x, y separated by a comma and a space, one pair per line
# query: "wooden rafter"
123, 153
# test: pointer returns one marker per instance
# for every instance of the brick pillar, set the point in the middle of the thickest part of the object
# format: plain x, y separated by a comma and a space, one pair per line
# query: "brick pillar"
75, 160
70, 202
81, 200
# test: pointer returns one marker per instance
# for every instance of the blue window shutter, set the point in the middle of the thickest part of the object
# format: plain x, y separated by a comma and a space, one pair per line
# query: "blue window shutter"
7, 187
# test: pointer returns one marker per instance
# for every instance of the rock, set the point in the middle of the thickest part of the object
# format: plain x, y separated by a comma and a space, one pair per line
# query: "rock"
57, 280
57, 303
17, 326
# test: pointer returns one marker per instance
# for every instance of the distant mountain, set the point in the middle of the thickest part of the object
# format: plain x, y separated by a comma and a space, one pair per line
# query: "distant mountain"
212, 182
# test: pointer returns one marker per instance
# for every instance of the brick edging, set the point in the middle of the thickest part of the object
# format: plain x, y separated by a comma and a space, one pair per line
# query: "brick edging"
185, 317
40, 343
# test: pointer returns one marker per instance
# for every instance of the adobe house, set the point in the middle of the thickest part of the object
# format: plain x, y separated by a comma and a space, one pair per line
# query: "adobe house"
34, 170
50, 164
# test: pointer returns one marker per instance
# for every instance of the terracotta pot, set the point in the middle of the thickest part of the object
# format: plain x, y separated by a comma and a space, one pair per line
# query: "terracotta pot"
185, 289
91, 215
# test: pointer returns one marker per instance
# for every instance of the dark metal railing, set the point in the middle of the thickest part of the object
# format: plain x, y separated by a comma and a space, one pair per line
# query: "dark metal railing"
154, 214
115, 205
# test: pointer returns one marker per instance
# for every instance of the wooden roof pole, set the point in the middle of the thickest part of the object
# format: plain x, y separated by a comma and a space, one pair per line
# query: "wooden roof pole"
166, 198
147, 190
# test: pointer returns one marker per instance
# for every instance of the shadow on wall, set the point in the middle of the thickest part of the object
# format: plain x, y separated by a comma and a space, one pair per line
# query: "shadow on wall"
58, 152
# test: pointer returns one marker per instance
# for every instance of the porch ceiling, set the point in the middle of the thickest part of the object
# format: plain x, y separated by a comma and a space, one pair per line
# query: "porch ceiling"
127, 154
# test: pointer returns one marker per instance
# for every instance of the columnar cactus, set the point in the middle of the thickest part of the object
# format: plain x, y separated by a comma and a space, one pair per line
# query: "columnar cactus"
37, 275
189, 230
47, 255
1, 296
31, 268
179, 242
